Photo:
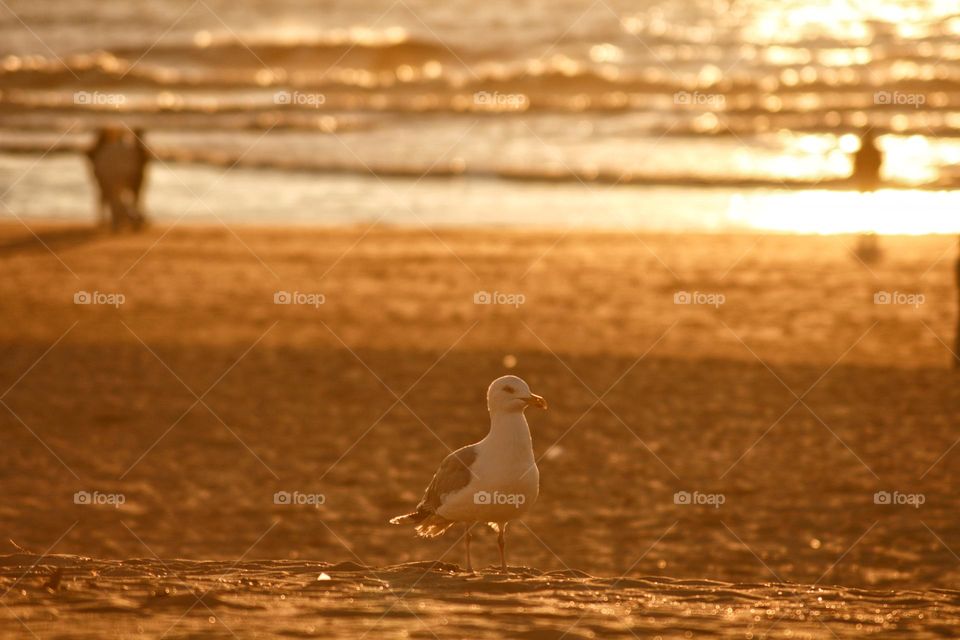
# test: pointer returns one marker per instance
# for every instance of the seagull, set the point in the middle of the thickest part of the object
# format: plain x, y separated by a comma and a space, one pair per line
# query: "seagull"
492, 481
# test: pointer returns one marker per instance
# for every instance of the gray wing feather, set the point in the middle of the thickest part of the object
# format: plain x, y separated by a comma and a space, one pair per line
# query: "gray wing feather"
454, 474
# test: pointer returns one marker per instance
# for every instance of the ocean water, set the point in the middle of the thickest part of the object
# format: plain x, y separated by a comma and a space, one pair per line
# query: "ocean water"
708, 114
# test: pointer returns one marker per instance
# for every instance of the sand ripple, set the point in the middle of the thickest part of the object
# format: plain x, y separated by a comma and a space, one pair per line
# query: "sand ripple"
71, 597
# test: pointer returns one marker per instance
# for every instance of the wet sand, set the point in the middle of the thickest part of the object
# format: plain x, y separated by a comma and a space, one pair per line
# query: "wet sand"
198, 398
296, 599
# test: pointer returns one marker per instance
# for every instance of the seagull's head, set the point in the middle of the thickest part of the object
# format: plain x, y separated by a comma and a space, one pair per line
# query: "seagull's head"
511, 394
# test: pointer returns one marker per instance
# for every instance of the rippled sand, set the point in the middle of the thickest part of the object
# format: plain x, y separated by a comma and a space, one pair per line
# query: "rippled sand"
73, 597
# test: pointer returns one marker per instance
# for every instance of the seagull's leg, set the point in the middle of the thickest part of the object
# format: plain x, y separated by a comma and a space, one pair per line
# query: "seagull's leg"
502, 543
467, 537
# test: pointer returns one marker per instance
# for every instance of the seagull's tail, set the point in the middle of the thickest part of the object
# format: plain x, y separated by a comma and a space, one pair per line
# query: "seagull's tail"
429, 525
411, 518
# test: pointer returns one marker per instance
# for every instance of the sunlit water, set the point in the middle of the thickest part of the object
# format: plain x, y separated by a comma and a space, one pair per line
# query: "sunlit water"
57, 188
595, 98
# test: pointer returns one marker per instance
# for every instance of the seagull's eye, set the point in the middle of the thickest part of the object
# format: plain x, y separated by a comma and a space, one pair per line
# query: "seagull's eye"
509, 389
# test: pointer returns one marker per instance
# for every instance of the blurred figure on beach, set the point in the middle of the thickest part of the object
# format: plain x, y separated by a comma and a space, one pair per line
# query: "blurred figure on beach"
866, 173
867, 162
119, 158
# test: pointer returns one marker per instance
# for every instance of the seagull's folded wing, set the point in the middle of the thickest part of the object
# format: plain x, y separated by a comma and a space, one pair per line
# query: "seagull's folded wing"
454, 474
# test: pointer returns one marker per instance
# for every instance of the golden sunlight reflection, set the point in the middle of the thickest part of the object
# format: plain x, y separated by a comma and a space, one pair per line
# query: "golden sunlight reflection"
847, 20
825, 212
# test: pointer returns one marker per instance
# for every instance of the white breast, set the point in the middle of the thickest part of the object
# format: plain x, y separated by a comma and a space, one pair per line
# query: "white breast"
505, 481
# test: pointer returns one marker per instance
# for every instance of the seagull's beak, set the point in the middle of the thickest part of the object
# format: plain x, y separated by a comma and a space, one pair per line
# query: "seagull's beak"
536, 401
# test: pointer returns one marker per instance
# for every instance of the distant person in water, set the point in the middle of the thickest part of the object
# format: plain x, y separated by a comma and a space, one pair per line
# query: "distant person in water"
119, 159
867, 162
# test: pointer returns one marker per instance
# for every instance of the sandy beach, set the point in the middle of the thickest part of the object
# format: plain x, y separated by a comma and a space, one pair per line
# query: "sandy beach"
268, 267
782, 388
